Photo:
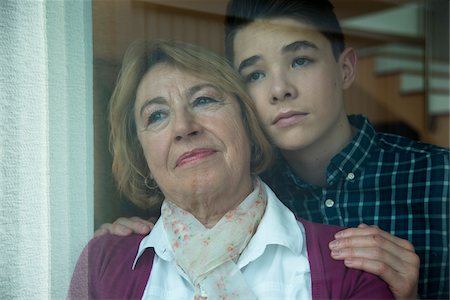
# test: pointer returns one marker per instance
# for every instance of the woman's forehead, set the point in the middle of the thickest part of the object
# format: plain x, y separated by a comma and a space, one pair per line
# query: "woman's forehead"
163, 81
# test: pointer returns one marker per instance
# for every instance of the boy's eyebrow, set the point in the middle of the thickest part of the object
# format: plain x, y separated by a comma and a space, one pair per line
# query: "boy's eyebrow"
292, 47
298, 45
248, 62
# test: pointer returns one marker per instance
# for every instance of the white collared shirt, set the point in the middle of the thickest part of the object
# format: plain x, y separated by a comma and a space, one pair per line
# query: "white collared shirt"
274, 264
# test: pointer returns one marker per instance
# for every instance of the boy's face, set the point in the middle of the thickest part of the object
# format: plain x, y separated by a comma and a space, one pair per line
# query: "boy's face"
295, 81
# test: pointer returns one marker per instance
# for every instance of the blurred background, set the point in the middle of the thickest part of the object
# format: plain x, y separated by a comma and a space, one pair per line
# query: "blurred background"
402, 81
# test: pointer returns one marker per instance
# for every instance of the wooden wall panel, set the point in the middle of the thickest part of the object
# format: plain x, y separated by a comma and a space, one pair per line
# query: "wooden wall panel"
117, 23
379, 98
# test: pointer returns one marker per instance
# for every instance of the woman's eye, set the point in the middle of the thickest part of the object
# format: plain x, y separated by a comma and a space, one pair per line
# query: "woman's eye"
156, 116
254, 76
300, 62
203, 101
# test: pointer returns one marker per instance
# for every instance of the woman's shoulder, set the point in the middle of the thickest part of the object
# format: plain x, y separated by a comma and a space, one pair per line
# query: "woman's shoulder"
106, 263
325, 230
108, 248
119, 243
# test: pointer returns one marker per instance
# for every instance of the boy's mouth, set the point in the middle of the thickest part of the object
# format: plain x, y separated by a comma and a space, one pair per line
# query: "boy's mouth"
288, 118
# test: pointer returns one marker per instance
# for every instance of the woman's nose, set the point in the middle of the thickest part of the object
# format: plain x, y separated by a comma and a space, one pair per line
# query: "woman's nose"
185, 125
282, 88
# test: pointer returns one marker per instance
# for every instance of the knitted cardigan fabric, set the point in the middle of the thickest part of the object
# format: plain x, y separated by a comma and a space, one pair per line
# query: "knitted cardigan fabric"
104, 269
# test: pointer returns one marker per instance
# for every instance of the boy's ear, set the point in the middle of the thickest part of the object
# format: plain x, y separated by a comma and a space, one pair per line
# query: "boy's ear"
347, 61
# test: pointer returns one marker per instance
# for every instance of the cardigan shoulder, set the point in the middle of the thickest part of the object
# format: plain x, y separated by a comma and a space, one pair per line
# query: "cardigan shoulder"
104, 269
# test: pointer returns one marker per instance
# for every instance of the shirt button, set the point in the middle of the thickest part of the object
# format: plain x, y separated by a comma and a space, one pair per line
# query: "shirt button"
329, 203
203, 294
350, 176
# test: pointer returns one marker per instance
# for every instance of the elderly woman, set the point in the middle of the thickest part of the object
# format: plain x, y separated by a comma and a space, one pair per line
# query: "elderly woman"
185, 138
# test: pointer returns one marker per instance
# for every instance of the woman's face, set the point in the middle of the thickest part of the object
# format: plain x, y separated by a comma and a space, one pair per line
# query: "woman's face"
192, 135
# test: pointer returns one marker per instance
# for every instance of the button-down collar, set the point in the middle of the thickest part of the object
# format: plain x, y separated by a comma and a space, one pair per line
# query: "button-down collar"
349, 163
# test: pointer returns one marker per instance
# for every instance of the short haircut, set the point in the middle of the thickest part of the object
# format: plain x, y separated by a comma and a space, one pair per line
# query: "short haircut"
318, 13
130, 168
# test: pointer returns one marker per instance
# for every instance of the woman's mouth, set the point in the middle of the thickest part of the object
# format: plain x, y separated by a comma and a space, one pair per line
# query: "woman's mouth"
194, 155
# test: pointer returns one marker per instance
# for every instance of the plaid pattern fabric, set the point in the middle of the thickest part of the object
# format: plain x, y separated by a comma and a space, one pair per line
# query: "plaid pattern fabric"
399, 184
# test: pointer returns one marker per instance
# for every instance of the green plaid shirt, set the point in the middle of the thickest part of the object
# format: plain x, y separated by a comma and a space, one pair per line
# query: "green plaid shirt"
399, 184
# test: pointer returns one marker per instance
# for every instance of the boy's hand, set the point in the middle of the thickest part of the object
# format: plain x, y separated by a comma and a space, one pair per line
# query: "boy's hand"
373, 250
125, 226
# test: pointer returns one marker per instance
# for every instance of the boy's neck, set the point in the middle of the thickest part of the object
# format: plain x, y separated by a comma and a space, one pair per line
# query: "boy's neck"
311, 163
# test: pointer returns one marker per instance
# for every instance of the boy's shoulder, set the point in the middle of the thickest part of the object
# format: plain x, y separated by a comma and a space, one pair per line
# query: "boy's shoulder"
369, 139
406, 148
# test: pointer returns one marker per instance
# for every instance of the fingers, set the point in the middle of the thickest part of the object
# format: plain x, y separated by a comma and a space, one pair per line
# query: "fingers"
102, 230
114, 229
373, 243
373, 250
378, 259
125, 226
402, 285
348, 235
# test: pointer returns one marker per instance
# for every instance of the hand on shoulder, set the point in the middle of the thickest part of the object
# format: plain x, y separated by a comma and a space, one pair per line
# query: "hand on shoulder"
373, 250
125, 227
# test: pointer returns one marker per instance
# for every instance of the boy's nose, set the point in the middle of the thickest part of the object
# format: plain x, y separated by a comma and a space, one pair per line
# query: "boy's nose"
282, 89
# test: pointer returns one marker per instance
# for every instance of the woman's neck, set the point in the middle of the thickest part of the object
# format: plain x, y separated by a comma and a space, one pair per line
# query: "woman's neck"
210, 207
311, 163
210, 217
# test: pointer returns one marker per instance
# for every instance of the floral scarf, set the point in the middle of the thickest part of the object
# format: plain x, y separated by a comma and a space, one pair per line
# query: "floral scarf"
209, 255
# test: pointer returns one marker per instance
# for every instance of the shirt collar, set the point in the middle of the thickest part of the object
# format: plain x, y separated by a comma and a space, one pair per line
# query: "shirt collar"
155, 239
347, 164
277, 227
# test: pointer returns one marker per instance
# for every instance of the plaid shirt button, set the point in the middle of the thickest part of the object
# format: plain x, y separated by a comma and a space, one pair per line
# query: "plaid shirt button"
329, 203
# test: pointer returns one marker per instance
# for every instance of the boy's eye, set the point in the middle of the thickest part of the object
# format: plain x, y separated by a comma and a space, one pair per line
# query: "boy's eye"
203, 101
300, 61
254, 76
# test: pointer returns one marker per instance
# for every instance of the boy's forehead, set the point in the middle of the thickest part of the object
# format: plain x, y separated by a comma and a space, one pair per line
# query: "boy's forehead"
283, 24
274, 34
266, 30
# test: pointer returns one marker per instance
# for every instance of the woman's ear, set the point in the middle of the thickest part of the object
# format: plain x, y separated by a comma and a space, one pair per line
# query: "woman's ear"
347, 61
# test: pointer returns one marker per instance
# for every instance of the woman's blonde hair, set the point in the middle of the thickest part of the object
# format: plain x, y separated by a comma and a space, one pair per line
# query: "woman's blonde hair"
129, 166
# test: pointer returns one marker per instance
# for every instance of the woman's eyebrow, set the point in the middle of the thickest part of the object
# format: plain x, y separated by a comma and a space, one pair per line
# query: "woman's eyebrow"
298, 45
194, 89
156, 100
189, 93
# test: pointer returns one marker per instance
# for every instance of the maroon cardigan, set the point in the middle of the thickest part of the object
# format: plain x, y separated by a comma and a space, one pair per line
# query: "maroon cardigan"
103, 270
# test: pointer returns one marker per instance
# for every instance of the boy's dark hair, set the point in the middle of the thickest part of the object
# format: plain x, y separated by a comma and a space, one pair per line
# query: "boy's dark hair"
318, 13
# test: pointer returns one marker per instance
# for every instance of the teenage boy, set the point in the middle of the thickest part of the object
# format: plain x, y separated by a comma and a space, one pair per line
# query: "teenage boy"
332, 168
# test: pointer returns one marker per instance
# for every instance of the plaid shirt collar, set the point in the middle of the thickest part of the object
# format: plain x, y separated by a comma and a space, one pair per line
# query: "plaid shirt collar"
349, 162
